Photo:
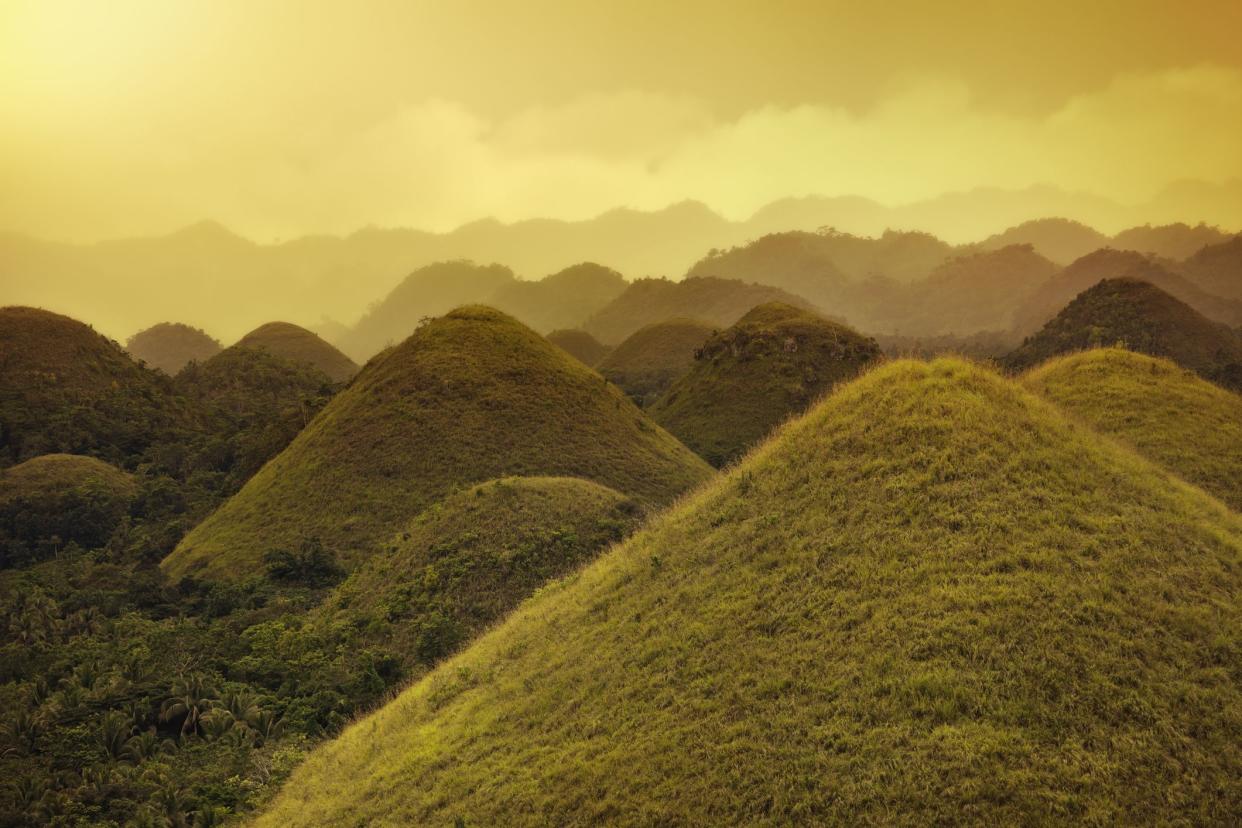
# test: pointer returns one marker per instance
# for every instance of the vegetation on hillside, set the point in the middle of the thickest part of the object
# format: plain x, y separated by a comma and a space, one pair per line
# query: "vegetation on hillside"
170, 346
746, 380
1170, 415
461, 565
932, 599
299, 345
1141, 317
653, 357
57, 499
580, 345
1218, 269
470, 396
719, 302
562, 300
1058, 239
1170, 241
66, 389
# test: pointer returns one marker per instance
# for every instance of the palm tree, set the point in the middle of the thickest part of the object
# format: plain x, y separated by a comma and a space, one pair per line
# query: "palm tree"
191, 697
114, 733
146, 745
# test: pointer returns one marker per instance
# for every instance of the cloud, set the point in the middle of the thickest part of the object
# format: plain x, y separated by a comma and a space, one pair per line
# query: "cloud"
437, 164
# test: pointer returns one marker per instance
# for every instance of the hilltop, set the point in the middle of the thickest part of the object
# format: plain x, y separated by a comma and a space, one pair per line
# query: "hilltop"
651, 358
1169, 241
66, 389
746, 380
932, 599
168, 346
1188, 425
1141, 317
1044, 303
718, 302
55, 499
427, 292
469, 559
580, 345
1060, 240
299, 345
470, 396
561, 300
973, 293
1218, 268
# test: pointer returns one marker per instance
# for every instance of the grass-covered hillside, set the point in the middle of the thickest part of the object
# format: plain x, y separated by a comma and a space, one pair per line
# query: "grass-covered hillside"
560, 300
66, 389
1141, 317
932, 600
466, 561
169, 346
1169, 241
654, 356
470, 396
580, 345
1188, 425
56, 499
746, 380
1047, 301
299, 345
1059, 239
719, 302
429, 291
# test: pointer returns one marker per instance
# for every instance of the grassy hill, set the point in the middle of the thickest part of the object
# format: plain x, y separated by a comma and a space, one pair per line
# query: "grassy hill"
746, 380
297, 344
470, 396
719, 302
1058, 239
66, 389
580, 345
932, 600
168, 346
1047, 301
461, 565
429, 291
1189, 426
1218, 268
1141, 317
561, 300
55, 499
653, 357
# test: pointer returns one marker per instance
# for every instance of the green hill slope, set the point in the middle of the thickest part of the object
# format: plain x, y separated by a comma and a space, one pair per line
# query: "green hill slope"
169, 346
1141, 317
1059, 239
53, 499
466, 561
654, 356
1169, 241
299, 345
746, 380
1189, 426
66, 389
1218, 268
580, 345
932, 600
719, 302
470, 396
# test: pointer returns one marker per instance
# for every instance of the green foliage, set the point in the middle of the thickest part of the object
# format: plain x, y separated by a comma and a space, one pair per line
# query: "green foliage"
938, 600
748, 379
310, 565
471, 396
653, 357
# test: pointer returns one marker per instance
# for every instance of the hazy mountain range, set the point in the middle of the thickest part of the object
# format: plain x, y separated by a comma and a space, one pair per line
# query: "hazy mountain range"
229, 284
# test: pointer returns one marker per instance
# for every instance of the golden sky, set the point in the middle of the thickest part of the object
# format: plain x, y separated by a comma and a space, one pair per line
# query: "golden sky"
281, 118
